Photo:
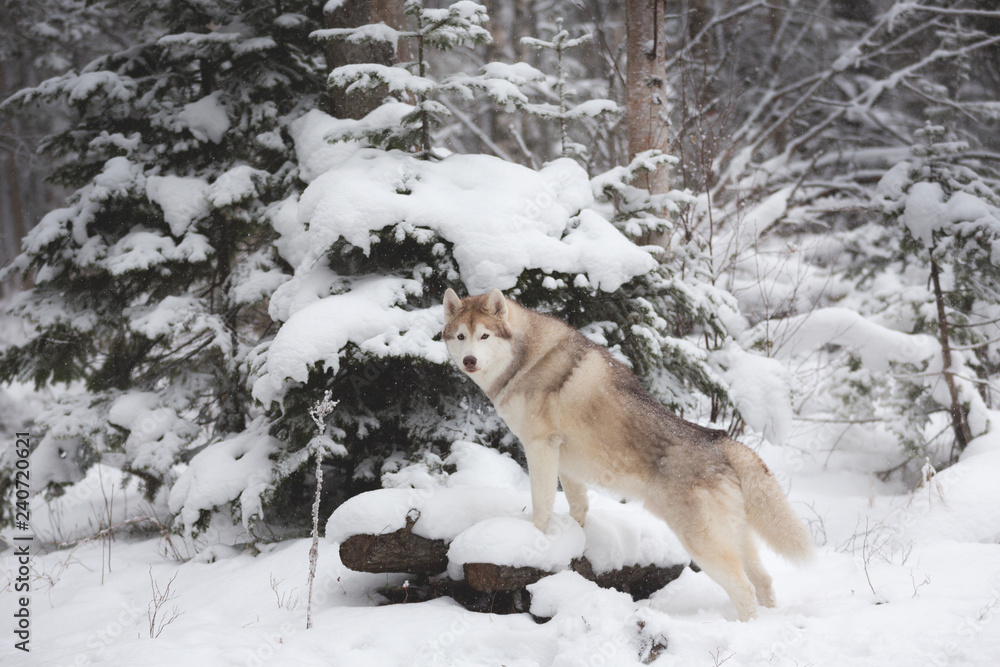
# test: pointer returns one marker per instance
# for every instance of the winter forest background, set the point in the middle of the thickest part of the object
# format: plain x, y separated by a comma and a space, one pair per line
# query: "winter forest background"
783, 214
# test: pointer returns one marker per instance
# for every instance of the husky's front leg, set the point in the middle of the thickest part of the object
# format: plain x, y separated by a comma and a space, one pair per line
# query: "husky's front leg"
543, 469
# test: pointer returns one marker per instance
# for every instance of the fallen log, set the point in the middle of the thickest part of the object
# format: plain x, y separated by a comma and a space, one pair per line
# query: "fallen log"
399, 551
488, 587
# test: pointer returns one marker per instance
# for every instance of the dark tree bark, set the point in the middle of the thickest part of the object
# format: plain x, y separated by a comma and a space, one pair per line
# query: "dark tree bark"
352, 14
959, 423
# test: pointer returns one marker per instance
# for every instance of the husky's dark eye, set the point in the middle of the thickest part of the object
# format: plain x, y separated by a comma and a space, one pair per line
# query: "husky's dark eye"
460, 336
484, 336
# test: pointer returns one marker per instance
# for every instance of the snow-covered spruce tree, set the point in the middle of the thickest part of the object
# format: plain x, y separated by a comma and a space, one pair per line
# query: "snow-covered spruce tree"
149, 285
942, 218
379, 234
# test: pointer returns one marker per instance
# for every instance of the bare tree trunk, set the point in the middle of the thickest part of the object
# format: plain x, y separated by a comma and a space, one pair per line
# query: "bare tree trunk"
351, 14
645, 97
959, 423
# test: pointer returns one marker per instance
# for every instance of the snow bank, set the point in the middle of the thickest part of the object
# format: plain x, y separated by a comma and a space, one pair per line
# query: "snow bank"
236, 468
962, 502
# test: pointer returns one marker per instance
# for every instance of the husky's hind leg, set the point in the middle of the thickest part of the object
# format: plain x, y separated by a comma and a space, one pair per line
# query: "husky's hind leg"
721, 560
759, 577
576, 496
711, 526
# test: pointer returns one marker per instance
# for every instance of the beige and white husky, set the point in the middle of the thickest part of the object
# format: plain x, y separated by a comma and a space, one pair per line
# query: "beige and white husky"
583, 418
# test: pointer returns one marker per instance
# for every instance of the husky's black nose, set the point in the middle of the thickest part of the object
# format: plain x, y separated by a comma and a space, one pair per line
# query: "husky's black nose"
469, 362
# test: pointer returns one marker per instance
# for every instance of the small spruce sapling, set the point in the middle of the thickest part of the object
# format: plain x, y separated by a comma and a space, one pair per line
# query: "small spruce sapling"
563, 112
319, 446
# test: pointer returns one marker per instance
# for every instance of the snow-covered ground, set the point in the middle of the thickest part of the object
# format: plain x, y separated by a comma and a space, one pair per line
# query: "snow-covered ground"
903, 577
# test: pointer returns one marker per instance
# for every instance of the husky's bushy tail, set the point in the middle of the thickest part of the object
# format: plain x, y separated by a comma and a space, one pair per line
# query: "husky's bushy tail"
766, 506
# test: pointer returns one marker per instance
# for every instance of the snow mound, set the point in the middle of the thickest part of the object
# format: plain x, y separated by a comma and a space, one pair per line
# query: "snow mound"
962, 502
624, 535
597, 626
236, 468
440, 514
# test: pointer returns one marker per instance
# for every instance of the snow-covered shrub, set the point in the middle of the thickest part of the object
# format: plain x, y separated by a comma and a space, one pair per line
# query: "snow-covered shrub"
379, 233
943, 230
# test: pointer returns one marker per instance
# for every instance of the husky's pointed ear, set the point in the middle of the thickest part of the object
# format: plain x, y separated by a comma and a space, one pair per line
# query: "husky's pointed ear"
452, 304
496, 304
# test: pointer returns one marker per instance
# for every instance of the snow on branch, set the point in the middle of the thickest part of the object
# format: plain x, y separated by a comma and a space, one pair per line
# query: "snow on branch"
372, 32
366, 76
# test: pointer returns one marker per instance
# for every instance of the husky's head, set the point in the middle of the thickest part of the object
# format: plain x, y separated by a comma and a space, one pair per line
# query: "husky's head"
478, 335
